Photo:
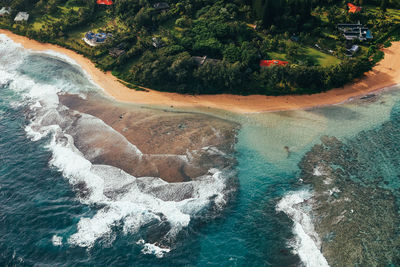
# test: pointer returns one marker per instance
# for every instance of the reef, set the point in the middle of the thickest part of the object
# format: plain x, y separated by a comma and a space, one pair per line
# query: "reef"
355, 208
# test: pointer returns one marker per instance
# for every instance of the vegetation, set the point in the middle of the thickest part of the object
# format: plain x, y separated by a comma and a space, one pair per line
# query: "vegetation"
234, 35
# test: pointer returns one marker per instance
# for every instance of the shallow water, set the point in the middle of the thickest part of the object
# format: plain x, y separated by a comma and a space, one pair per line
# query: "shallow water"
53, 211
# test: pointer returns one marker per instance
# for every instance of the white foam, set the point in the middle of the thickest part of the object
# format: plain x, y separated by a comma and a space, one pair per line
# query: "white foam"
153, 249
333, 191
71, 61
124, 200
318, 171
56, 240
307, 243
11, 53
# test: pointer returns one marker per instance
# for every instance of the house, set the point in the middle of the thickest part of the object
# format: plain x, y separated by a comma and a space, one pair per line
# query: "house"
353, 8
355, 31
199, 61
354, 49
157, 42
253, 26
94, 39
105, 2
161, 6
349, 26
351, 51
362, 34
294, 38
117, 51
273, 62
21, 16
5, 11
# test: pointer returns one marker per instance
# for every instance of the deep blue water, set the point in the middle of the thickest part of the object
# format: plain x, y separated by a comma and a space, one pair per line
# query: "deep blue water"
38, 203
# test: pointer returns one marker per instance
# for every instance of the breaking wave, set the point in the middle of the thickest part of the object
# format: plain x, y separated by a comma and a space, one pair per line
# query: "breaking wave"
307, 243
120, 200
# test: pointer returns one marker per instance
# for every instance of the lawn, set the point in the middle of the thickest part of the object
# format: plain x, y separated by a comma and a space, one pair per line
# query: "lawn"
277, 55
40, 20
322, 58
390, 13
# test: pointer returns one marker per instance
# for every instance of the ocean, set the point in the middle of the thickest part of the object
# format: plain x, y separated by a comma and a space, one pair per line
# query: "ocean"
315, 187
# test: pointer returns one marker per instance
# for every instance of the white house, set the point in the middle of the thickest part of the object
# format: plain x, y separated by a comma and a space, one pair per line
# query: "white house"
21, 16
5, 11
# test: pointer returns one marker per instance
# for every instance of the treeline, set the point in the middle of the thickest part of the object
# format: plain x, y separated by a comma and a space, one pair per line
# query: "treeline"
293, 15
178, 72
220, 30
283, 14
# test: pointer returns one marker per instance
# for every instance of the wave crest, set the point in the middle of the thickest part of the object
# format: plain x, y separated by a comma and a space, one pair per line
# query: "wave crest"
119, 198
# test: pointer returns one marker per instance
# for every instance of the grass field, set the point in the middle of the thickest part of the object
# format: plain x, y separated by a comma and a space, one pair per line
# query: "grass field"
320, 58
390, 13
323, 59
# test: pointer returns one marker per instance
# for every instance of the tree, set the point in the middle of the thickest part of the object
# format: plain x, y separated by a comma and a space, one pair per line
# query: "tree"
232, 53
293, 50
384, 5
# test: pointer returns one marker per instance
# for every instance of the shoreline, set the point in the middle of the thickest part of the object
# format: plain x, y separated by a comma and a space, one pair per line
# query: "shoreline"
385, 74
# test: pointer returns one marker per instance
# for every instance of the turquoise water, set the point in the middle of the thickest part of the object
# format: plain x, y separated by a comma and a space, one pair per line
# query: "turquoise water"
48, 218
38, 203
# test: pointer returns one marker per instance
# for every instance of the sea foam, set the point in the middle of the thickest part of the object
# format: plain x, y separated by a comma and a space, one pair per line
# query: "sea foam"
118, 198
307, 243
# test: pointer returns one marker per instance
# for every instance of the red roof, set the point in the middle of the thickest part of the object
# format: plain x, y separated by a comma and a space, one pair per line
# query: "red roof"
105, 2
268, 63
354, 8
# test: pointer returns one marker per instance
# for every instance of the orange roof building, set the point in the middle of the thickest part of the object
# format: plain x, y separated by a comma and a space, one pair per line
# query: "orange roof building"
105, 2
268, 63
353, 8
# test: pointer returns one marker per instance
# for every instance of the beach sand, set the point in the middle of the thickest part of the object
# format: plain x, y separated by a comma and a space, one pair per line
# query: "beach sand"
384, 74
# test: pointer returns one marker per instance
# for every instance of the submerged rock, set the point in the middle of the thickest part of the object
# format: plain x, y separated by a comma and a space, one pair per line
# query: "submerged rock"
357, 196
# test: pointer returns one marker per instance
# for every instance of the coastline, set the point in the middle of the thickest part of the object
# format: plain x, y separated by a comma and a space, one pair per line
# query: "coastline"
385, 74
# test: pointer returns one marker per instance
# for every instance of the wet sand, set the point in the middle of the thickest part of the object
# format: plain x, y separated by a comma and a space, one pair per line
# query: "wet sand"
385, 74
175, 146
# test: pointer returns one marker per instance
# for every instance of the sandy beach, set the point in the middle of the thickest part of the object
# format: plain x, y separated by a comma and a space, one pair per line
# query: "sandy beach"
383, 75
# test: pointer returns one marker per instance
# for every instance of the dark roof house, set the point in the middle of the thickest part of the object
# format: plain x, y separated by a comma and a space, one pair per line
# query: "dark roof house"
355, 31
199, 61
160, 6
349, 26
117, 51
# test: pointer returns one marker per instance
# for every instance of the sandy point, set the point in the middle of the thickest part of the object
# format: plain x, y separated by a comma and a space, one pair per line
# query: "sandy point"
385, 74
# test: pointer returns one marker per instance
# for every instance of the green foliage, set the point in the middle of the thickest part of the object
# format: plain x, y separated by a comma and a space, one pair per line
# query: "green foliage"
234, 35
387, 44
378, 56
